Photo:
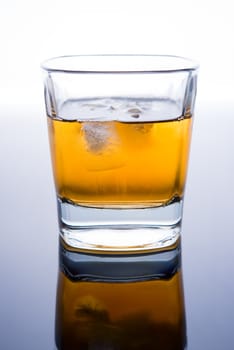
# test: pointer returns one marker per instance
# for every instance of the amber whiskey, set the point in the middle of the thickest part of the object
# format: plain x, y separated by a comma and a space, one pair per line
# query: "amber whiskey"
120, 164
135, 315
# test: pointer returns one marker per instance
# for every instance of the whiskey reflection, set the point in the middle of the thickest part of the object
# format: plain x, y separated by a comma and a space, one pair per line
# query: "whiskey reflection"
109, 302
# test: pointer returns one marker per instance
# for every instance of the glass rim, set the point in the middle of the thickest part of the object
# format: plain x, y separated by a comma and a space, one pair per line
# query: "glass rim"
119, 64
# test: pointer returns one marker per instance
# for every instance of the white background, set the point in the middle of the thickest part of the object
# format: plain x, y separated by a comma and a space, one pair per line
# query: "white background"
32, 31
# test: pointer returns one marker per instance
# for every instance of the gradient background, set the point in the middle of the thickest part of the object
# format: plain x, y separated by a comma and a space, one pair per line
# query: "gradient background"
32, 31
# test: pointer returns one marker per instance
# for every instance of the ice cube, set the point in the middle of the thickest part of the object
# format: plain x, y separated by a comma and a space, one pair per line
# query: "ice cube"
103, 146
135, 112
97, 135
143, 128
93, 106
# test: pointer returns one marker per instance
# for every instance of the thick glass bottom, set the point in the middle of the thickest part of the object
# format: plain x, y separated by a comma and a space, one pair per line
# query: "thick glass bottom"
120, 230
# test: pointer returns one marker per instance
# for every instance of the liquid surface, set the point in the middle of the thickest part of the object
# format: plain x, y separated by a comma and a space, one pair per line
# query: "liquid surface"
139, 315
117, 163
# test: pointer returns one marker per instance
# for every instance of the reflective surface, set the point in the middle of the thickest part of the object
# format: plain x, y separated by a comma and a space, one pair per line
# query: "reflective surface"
29, 242
120, 302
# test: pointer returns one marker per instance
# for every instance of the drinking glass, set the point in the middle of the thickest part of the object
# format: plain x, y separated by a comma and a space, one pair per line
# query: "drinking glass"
119, 130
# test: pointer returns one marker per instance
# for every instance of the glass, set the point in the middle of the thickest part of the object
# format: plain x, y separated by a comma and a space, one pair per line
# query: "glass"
120, 302
120, 129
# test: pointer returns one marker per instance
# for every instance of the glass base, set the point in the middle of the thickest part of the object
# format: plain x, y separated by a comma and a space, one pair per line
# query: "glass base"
120, 230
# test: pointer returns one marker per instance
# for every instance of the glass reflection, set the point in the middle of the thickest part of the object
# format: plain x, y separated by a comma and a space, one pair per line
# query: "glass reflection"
112, 302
